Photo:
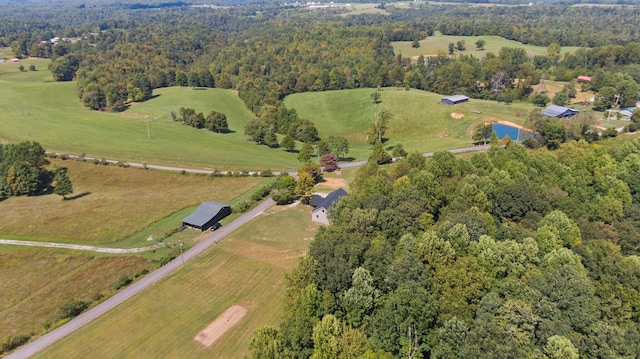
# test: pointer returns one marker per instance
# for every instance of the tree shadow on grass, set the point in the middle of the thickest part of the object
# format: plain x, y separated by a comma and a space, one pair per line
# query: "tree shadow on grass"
83, 194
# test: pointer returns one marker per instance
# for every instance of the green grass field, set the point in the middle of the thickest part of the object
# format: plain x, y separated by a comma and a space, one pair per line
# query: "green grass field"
433, 45
36, 282
246, 268
116, 206
420, 122
33, 107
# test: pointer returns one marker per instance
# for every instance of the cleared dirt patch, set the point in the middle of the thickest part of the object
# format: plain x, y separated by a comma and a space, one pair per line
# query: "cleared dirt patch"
334, 182
218, 327
457, 116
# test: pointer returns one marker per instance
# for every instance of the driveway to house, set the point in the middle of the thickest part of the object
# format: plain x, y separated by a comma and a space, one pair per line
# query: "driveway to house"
79, 247
53, 336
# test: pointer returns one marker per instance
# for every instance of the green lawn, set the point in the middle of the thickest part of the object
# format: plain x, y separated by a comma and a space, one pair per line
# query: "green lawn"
420, 122
32, 107
432, 45
246, 268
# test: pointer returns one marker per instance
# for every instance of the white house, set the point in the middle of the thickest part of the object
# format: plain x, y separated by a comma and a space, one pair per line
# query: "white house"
322, 204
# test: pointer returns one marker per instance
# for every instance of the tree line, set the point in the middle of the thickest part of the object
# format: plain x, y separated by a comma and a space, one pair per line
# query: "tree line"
511, 253
23, 171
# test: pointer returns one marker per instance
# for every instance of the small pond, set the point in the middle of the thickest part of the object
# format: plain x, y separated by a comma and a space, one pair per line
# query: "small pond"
515, 134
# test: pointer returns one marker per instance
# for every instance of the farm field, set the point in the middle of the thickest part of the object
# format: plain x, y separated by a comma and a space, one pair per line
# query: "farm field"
115, 206
33, 107
247, 269
31, 297
421, 123
439, 43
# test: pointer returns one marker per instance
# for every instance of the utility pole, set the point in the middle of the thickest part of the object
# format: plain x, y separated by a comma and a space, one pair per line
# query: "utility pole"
148, 131
181, 254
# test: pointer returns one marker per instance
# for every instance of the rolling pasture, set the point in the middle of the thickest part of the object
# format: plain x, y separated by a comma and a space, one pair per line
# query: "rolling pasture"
421, 123
110, 206
439, 43
33, 107
114, 205
247, 268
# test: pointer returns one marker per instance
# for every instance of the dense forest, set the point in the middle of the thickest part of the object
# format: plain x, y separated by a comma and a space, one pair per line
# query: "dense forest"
120, 54
508, 254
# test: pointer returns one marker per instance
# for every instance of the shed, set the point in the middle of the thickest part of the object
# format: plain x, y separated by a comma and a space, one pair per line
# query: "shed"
559, 111
322, 205
454, 100
207, 215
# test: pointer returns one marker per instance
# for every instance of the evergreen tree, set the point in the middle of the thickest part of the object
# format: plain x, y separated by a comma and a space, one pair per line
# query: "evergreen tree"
63, 184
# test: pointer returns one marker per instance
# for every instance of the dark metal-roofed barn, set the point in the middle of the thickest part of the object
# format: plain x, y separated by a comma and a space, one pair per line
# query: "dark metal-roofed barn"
559, 111
206, 215
454, 100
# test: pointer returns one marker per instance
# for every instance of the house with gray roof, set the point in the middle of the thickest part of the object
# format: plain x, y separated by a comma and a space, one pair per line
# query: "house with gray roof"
207, 215
559, 111
323, 204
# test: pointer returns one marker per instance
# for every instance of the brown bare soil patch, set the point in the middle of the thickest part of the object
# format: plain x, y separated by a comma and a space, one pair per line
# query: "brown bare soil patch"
221, 325
457, 116
334, 182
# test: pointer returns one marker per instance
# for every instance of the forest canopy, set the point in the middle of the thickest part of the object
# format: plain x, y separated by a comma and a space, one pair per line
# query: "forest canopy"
508, 254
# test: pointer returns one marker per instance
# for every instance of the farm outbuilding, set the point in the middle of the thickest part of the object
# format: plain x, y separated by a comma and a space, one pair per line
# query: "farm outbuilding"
207, 215
559, 111
454, 100
322, 205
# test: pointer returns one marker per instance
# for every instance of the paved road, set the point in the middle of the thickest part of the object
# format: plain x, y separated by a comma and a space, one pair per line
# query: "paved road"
428, 154
48, 339
294, 173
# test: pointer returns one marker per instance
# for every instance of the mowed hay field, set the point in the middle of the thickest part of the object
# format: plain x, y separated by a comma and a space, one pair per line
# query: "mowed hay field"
420, 122
433, 45
247, 269
33, 107
35, 283
113, 203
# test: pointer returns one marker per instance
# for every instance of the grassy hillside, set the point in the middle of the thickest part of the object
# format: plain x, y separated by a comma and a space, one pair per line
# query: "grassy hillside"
121, 206
420, 122
246, 269
440, 43
32, 107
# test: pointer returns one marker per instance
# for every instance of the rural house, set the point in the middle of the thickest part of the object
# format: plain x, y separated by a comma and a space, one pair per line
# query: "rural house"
454, 100
559, 111
207, 215
322, 204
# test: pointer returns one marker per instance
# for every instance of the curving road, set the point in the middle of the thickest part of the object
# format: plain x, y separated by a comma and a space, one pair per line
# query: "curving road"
208, 172
53, 336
